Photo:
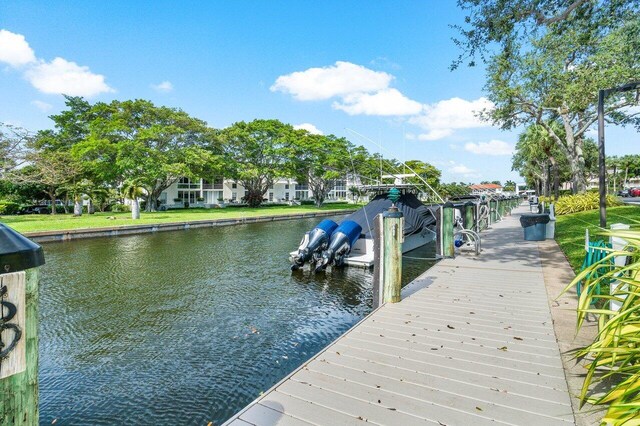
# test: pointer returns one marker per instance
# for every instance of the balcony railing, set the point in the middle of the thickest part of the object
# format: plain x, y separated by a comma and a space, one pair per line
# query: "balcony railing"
212, 186
188, 186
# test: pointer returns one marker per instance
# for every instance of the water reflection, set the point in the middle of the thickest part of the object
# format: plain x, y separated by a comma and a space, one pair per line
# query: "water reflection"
184, 327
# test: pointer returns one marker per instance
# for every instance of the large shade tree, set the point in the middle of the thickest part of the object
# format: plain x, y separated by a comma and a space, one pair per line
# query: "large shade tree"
13, 146
259, 152
547, 59
53, 171
153, 146
320, 161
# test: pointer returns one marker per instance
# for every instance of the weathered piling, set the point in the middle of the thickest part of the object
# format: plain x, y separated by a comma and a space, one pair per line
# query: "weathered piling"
469, 215
444, 238
392, 224
20, 260
493, 209
389, 231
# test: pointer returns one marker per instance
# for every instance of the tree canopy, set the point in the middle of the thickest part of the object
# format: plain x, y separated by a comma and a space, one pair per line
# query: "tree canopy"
546, 61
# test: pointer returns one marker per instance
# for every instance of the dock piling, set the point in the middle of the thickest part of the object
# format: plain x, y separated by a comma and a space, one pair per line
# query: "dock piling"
20, 260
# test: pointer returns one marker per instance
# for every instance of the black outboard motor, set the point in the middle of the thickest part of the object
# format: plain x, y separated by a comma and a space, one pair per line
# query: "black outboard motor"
342, 240
313, 243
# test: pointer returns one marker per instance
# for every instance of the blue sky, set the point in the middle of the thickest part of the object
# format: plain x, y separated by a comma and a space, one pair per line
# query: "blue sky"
374, 68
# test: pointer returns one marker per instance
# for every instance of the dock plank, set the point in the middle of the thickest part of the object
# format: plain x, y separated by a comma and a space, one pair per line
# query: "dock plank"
472, 342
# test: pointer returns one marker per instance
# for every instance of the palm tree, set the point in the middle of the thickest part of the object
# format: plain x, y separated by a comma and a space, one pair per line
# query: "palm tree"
132, 191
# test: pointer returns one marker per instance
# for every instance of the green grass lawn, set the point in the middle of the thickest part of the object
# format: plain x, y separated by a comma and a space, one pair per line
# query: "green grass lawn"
58, 222
570, 229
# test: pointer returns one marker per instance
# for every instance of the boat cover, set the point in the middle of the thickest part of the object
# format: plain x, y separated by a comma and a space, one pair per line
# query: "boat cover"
416, 215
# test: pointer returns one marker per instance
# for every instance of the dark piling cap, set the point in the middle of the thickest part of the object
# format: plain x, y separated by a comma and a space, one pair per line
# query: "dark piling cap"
17, 252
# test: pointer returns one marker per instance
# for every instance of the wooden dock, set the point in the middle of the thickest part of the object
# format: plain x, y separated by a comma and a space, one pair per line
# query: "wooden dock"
471, 343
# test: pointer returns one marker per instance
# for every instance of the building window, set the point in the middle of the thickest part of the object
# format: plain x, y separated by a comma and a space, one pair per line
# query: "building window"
234, 196
234, 185
286, 186
270, 196
286, 195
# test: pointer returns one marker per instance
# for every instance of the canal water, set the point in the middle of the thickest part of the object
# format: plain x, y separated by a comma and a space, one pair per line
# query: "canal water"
185, 327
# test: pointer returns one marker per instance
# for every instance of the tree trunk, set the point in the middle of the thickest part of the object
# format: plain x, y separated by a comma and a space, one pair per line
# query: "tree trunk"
254, 197
52, 197
556, 183
77, 207
556, 177
91, 209
578, 182
135, 209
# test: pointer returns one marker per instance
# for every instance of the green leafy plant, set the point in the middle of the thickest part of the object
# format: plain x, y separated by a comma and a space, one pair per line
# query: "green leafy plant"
580, 202
8, 207
613, 369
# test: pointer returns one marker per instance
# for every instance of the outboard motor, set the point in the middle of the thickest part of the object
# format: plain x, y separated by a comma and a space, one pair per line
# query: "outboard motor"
340, 245
313, 243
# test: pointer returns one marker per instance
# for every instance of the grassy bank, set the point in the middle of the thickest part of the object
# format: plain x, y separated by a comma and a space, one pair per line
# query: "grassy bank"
570, 229
59, 222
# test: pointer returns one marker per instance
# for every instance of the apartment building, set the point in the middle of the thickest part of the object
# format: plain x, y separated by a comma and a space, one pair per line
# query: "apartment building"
204, 192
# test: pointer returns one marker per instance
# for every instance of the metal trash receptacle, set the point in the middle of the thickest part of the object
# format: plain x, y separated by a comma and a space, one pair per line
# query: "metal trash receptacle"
535, 226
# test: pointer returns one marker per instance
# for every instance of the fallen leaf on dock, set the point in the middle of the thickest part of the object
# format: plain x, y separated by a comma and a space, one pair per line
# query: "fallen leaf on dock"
517, 338
504, 348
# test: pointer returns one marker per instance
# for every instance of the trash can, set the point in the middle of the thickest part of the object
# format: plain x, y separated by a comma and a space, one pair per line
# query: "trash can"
535, 226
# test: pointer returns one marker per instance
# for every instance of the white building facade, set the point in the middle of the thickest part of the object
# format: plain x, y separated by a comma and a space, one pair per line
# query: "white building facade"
207, 193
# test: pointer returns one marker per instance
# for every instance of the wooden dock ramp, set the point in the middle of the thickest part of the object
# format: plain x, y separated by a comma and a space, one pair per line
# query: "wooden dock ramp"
471, 343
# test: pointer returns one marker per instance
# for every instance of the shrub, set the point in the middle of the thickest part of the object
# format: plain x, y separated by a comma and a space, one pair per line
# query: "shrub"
9, 207
119, 208
580, 202
307, 202
613, 369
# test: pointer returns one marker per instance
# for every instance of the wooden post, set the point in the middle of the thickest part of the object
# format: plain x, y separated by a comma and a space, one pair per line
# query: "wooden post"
378, 272
493, 205
469, 223
445, 229
19, 262
393, 225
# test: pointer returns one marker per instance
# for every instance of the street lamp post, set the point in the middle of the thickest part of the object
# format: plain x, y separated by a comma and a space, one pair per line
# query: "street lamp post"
602, 94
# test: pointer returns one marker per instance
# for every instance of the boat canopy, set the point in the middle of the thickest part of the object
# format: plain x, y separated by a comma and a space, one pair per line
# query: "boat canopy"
417, 216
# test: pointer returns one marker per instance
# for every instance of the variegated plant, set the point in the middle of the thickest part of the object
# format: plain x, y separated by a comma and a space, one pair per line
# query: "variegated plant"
614, 356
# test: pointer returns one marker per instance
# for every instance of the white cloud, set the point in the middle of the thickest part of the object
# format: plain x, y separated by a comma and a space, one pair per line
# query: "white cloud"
384, 102
164, 87
341, 79
42, 106
309, 128
435, 134
493, 147
65, 77
57, 77
14, 49
462, 170
443, 118
410, 136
